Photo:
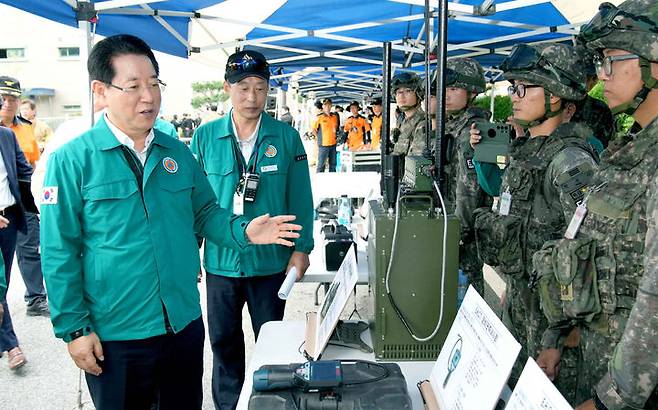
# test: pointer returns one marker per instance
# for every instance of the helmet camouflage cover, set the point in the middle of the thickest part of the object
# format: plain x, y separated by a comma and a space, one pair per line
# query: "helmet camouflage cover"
556, 67
466, 73
633, 26
408, 80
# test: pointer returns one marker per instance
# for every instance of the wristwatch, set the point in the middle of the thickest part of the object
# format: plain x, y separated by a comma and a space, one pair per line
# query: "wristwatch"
78, 333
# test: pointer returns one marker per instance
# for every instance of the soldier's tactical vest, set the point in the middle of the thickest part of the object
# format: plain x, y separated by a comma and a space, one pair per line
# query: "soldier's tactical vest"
453, 132
509, 241
600, 270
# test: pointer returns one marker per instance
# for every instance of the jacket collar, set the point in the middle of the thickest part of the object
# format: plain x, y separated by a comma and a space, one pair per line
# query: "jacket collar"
265, 130
106, 139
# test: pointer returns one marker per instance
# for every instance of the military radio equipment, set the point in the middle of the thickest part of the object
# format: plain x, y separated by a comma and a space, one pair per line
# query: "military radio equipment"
413, 259
493, 148
417, 174
413, 245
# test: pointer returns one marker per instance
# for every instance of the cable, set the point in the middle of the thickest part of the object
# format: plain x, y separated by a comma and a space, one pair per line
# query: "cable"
443, 268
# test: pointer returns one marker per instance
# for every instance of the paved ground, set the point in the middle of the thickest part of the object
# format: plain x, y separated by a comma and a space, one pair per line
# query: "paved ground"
51, 381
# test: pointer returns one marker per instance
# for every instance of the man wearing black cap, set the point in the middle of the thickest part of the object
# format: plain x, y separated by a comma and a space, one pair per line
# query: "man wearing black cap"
13, 169
255, 165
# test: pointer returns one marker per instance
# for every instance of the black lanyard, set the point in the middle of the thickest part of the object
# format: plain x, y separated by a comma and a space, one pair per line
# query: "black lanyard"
239, 158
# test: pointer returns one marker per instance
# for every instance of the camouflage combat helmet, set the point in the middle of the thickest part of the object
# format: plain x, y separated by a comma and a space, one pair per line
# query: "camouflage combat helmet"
465, 73
555, 67
633, 26
408, 80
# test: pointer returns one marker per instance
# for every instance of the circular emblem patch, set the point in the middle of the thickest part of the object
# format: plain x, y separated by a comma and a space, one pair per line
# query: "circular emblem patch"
270, 152
170, 165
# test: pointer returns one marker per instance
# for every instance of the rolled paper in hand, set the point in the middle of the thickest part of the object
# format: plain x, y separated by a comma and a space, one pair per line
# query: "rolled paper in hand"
286, 286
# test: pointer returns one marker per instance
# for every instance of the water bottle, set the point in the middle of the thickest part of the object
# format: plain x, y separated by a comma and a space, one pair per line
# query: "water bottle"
338, 161
462, 287
344, 211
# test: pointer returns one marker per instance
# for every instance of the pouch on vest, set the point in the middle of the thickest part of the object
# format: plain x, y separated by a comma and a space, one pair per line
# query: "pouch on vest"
547, 285
498, 240
567, 279
619, 260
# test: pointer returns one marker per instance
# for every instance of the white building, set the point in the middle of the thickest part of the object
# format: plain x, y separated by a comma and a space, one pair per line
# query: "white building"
44, 57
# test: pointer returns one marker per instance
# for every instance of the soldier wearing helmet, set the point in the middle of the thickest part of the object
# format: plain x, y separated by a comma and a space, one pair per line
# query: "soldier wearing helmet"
407, 89
464, 81
549, 169
613, 288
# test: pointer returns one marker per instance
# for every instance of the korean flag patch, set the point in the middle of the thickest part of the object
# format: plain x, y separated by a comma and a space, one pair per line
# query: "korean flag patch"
49, 195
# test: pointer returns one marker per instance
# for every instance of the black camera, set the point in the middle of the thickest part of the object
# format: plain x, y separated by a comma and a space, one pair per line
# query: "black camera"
493, 148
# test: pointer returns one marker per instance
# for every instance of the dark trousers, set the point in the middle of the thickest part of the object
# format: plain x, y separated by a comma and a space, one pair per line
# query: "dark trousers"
166, 370
324, 154
29, 260
226, 298
8, 338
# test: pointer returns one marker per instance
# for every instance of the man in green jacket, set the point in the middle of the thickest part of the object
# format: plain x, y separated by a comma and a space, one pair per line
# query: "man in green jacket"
248, 153
121, 207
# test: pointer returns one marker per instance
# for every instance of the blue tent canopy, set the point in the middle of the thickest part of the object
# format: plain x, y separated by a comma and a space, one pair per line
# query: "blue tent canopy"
343, 37
168, 31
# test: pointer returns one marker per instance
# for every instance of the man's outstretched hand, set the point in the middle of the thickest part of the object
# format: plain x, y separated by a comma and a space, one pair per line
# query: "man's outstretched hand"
267, 229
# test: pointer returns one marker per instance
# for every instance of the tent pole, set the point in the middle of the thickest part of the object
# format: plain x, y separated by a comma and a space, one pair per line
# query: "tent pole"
84, 26
441, 56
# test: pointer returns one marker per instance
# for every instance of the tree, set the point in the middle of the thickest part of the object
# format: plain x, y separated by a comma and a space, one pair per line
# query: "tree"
206, 93
624, 121
502, 106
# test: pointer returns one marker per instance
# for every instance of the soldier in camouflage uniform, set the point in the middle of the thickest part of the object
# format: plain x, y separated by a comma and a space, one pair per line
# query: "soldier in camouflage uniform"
465, 79
407, 88
549, 167
599, 275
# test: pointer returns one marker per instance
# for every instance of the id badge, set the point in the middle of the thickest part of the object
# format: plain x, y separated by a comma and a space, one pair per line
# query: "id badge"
576, 221
505, 203
238, 204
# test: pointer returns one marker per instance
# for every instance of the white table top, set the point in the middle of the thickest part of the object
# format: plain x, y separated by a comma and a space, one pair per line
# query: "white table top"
352, 184
279, 343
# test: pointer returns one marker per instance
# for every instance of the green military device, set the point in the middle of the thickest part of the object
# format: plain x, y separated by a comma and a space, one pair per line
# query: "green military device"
494, 145
417, 176
417, 291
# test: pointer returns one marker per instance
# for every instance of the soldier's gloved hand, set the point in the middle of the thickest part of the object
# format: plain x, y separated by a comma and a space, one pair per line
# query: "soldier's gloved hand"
475, 136
549, 361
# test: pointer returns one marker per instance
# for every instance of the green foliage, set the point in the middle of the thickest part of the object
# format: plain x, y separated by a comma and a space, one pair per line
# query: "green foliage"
206, 93
624, 121
502, 106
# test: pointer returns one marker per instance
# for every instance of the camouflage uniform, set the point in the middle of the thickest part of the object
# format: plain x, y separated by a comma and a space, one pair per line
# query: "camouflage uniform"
412, 135
464, 194
599, 274
411, 132
544, 180
633, 371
